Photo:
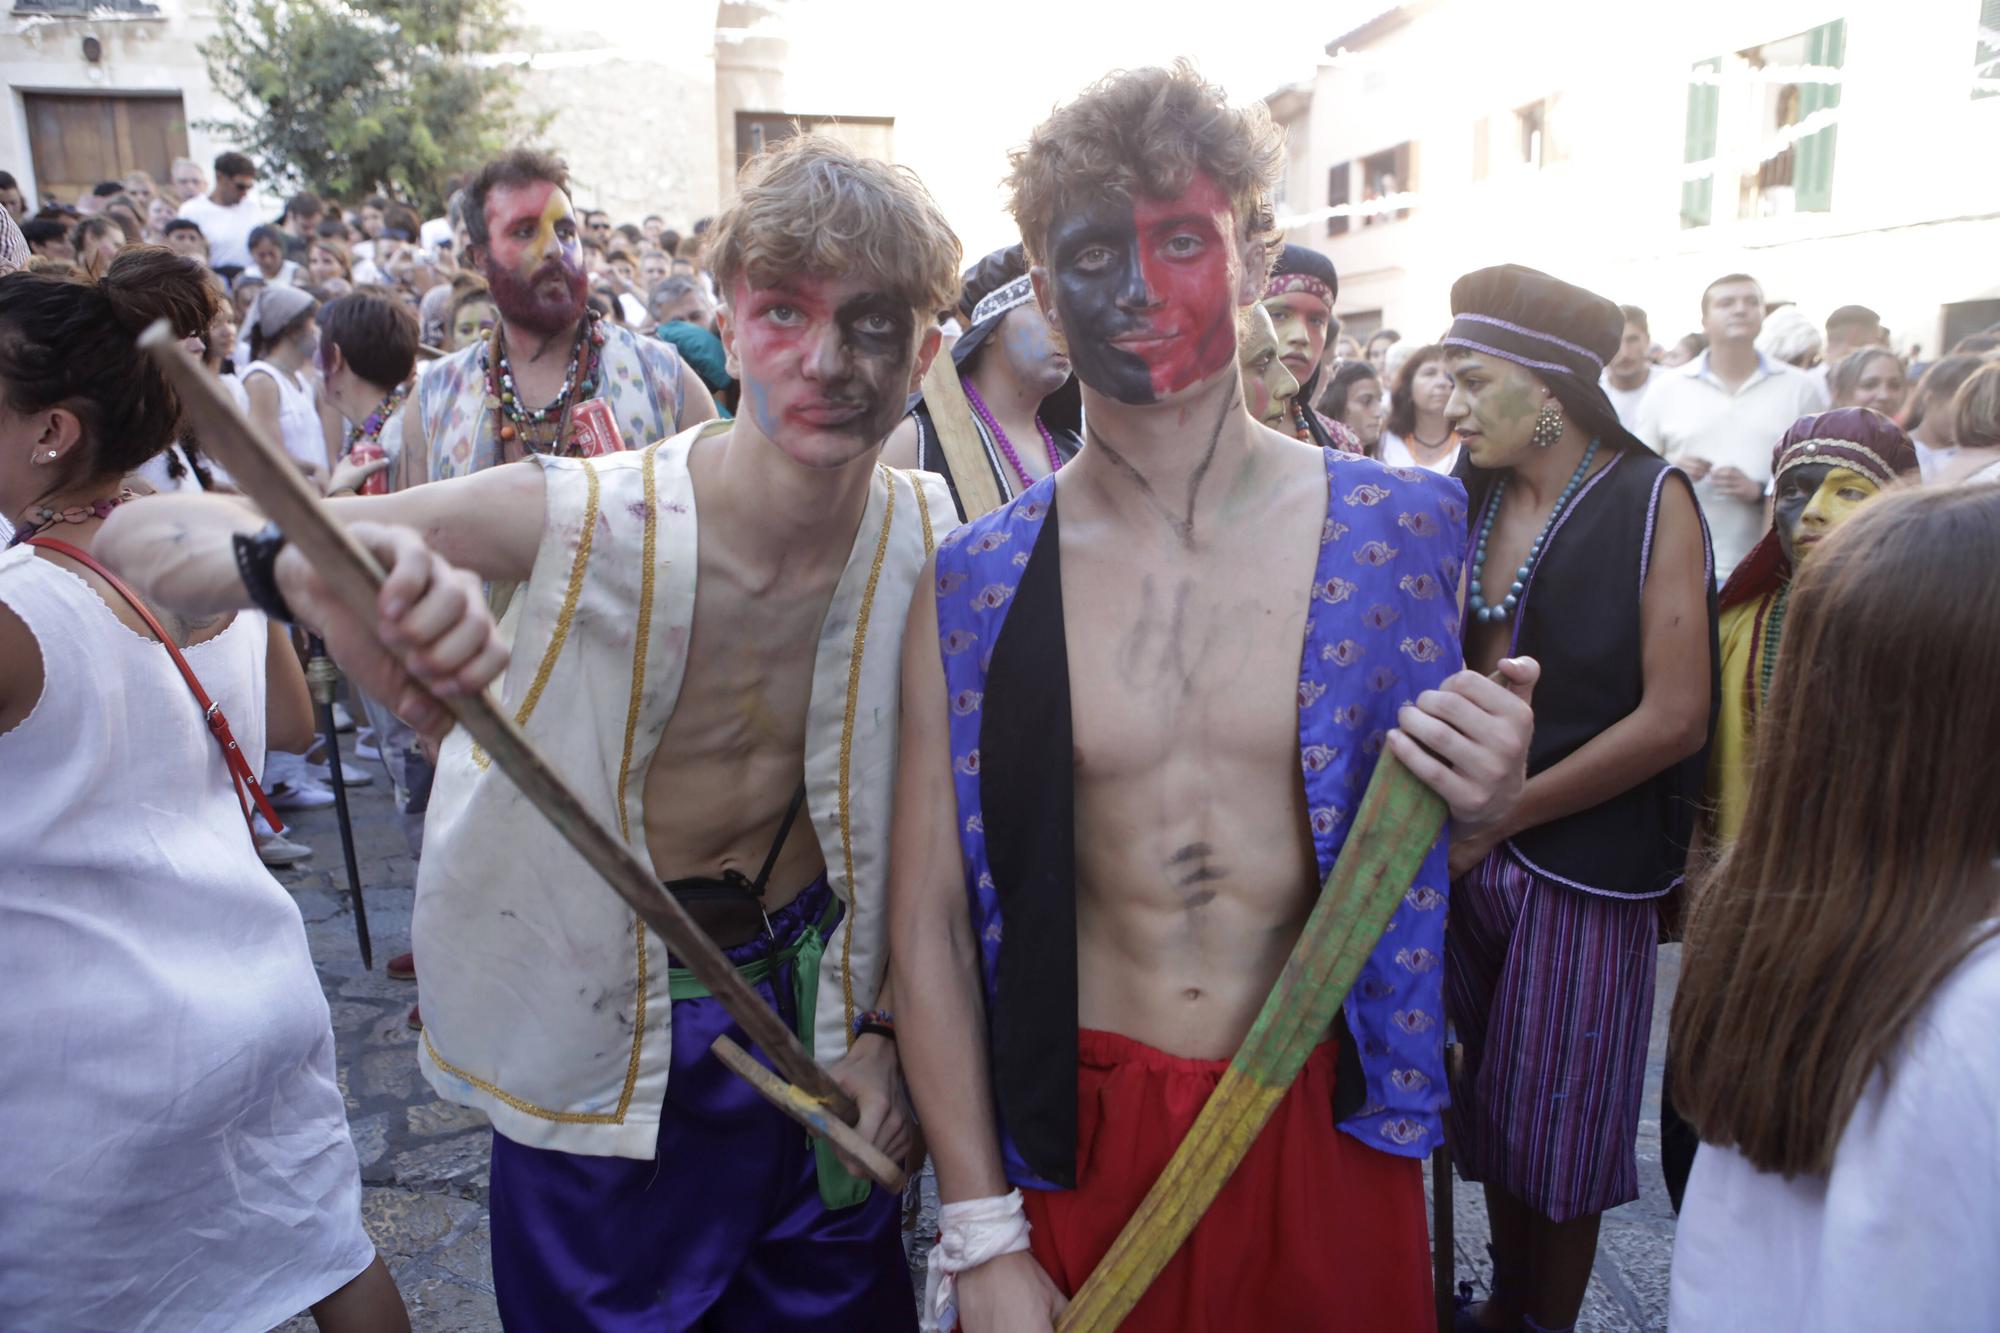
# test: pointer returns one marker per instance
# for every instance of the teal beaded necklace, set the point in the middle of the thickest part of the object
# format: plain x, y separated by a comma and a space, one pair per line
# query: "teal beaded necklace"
1475, 597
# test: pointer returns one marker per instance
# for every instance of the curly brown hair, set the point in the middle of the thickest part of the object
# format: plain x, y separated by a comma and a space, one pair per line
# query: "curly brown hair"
811, 206
1147, 131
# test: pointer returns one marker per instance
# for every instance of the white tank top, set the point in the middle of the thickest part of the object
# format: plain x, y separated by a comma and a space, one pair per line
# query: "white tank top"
174, 1150
298, 414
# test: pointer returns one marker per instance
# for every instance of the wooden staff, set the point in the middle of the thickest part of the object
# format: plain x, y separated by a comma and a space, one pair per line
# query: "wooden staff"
1394, 830
263, 472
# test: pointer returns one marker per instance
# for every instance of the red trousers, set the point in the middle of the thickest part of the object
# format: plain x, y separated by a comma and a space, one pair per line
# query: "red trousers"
1314, 1231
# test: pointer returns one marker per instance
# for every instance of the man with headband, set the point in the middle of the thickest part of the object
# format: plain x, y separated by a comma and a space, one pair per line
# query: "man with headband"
706, 650
1826, 466
1588, 554
1300, 295
1141, 703
1017, 395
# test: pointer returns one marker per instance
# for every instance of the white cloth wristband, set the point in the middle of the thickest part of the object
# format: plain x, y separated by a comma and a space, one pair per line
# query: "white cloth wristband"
969, 1234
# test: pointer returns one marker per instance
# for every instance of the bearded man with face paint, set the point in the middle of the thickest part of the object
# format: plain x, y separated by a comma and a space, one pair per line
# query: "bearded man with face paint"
552, 378
1141, 701
1589, 553
706, 649
1023, 399
1300, 296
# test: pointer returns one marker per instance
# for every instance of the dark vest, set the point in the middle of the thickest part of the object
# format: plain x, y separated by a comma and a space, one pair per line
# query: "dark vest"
1579, 618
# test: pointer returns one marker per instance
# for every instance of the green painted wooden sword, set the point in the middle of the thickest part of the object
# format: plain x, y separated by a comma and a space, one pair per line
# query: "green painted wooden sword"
1397, 825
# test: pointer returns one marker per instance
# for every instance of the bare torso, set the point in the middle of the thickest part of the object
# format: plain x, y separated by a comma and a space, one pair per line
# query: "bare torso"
733, 751
1195, 862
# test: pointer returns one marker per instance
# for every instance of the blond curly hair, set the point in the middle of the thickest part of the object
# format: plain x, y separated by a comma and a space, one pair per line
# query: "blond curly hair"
809, 205
1147, 131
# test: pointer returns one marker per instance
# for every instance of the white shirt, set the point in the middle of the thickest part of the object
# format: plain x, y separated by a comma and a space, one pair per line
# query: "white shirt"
174, 1150
227, 230
298, 414
1626, 402
1397, 454
1688, 414
1904, 1233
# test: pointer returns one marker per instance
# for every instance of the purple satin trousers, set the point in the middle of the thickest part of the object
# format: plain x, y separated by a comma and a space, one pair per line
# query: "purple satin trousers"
723, 1233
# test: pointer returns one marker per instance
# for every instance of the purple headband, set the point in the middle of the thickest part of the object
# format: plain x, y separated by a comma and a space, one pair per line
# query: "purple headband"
1521, 345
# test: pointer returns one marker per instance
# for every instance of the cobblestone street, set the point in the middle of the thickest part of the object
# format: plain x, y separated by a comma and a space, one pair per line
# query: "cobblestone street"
424, 1162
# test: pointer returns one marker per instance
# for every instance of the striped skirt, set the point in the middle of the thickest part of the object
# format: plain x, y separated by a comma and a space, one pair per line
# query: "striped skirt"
1551, 992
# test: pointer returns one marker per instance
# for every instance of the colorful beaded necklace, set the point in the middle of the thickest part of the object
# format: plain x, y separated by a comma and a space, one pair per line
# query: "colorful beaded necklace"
1006, 445
371, 425
1475, 598
1767, 655
44, 517
586, 361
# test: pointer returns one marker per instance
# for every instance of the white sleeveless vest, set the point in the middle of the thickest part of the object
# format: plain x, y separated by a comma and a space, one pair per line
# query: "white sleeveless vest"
545, 999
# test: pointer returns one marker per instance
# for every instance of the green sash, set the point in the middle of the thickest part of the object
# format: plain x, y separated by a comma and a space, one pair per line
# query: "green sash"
838, 1187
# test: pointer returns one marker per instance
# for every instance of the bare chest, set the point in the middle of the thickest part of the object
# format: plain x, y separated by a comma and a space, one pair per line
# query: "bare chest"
733, 750
1188, 654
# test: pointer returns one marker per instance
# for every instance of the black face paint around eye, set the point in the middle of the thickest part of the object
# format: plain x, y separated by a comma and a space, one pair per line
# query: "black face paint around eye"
1093, 298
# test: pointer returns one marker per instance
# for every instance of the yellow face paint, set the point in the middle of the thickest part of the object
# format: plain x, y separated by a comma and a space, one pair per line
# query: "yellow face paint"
1810, 517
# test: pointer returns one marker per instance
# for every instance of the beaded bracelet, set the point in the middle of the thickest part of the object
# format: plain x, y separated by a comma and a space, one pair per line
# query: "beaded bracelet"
879, 1022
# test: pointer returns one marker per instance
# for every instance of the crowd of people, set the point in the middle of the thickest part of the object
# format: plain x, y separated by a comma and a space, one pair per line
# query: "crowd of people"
992, 661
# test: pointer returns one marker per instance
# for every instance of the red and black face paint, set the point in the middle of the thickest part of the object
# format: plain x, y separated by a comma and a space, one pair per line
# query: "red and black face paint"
1146, 290
824, 356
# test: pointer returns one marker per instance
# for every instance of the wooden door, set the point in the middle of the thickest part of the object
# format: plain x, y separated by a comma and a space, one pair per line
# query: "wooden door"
77, 140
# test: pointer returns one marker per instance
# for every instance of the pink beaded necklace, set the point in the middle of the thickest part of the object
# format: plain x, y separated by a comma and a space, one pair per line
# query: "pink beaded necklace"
1006, 445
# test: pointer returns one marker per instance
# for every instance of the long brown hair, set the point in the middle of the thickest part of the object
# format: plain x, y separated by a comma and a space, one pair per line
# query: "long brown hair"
1865, 865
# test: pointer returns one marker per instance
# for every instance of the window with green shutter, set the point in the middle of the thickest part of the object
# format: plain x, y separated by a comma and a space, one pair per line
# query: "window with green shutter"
1826, 46
1704, 106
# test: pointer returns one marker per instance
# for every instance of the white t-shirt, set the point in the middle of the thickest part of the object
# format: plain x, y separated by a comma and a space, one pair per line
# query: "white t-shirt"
227, 230
1688, 414
1904, 1233
1625, 402
298, 413
1395, 453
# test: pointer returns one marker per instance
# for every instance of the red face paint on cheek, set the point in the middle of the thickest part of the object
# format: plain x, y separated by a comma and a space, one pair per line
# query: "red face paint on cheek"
1187, 248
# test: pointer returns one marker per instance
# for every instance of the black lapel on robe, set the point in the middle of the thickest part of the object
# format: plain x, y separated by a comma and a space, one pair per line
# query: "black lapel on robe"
1027, 799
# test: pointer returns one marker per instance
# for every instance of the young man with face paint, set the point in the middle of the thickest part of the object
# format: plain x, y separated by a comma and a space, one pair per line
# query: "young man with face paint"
1268, 385
706, 648
1017, 382
1825, 467
1300, 296
1141, 701
1589, 554
552, 378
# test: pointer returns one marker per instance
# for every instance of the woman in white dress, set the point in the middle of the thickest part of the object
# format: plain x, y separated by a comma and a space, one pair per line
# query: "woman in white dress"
174, 1150
284, 399
1840, 991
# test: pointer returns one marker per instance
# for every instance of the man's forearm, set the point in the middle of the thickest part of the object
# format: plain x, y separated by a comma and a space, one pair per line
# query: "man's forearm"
943, 1047
177, 550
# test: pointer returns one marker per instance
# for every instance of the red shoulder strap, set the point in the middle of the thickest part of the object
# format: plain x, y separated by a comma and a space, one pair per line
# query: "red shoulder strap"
232, 753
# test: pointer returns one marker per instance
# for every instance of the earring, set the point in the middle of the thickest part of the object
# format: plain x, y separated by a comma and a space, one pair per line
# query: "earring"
1548, 425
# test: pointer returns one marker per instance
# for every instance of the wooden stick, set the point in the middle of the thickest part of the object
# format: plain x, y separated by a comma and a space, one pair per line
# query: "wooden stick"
1394, 830
267, 476
813, 1115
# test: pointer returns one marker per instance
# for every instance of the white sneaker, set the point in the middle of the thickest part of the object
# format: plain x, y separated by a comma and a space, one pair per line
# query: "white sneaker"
275, 849
300, 794
367, 751
343, 721
351, 775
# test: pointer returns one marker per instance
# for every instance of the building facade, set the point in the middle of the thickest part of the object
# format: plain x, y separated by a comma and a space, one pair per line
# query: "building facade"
1832, 148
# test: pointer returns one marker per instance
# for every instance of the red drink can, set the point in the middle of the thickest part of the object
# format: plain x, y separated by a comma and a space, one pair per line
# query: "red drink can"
593, 431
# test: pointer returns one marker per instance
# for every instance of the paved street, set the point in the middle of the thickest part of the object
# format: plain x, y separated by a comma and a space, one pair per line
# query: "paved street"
424, 1163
